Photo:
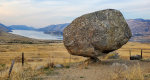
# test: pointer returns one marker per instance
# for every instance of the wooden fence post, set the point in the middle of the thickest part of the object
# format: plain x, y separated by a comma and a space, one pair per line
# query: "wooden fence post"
22, 59
11, 67
141, 54
130, 53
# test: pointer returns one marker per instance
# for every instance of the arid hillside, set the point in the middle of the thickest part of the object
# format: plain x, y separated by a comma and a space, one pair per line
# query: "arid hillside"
140, 29
12, 38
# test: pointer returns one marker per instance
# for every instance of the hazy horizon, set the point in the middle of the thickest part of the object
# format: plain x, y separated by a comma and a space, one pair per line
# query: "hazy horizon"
41, 13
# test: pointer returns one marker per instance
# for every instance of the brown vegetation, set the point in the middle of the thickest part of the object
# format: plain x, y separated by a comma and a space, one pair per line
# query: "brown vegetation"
40, 61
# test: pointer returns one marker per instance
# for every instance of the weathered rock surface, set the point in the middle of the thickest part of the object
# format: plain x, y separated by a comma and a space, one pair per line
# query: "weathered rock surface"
96, 34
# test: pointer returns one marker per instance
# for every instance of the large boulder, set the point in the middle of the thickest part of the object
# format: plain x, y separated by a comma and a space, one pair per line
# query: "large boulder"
97, 33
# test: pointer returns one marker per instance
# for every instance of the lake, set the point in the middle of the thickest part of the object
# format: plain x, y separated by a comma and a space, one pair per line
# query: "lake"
36, 35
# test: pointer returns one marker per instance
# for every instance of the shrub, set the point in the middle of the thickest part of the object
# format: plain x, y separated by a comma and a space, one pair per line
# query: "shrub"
112, 55
2, 67
123, 72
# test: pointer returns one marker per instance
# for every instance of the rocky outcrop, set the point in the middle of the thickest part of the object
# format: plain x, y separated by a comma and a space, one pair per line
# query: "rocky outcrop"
96, 34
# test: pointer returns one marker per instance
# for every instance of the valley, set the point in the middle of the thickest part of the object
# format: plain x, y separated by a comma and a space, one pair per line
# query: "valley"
41, 55
140, 29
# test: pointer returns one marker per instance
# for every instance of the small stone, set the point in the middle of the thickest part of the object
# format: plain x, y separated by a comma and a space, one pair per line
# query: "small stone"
59, 66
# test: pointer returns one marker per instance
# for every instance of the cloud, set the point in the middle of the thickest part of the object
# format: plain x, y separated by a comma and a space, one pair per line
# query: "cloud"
40, 13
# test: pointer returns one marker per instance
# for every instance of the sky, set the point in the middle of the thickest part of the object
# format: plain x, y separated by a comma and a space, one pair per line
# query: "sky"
40, 13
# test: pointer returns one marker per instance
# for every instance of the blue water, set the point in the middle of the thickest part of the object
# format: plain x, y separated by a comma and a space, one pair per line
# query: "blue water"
36, 35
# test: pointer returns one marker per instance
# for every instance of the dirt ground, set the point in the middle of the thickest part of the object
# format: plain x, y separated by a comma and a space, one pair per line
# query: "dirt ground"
104, 70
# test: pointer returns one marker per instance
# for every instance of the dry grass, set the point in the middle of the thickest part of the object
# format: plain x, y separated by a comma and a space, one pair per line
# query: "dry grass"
124, 72
36, 53
135, 48
44, 54
103, 71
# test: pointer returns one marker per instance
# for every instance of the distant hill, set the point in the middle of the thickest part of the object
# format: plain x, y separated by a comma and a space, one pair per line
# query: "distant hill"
6, 37
140, 29
21, 27
54, 29
12, 38
4, 28
57, 27
139, 26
